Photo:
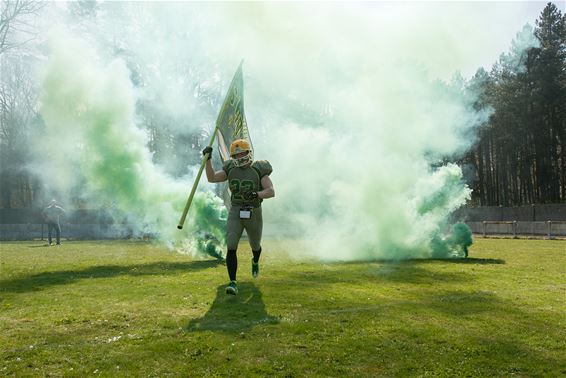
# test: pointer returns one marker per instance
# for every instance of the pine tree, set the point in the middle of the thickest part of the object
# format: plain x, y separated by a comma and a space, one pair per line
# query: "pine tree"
550, 104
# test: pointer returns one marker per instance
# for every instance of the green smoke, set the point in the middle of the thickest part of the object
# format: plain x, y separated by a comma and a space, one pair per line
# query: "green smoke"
435, 199
455, 244
209, 219
352, 117
91, 142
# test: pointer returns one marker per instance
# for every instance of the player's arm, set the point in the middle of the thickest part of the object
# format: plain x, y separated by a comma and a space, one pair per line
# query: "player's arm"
211, 174
267, 185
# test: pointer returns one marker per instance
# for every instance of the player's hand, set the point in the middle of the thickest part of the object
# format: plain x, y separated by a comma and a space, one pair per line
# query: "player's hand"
207, 150
249, 196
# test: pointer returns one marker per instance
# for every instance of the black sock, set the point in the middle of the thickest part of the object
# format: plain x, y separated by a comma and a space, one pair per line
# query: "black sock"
256, 255
232, 264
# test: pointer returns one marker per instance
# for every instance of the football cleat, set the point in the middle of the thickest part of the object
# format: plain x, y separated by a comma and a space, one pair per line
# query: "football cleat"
232, 288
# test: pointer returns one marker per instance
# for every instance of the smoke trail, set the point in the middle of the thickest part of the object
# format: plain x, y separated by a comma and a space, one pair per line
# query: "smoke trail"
363, 122
350, 107
91, 141
524, 40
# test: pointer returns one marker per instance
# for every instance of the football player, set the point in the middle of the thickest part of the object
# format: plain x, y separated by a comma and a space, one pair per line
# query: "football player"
249, 185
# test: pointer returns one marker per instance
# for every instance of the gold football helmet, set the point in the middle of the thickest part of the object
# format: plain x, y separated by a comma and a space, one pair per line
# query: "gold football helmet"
241, 152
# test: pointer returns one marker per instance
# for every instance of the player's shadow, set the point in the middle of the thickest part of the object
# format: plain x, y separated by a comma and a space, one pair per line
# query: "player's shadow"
468, 260
234, 314
44, 280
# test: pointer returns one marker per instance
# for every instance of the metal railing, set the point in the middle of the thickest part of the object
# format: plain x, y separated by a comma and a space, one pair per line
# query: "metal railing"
550, 223
513, 228
513, 225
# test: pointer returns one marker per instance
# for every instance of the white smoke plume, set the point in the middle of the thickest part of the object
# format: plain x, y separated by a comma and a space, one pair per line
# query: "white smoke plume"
347, 101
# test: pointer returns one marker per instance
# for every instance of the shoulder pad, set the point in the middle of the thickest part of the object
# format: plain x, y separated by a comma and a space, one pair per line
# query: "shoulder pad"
228, 165
263, 167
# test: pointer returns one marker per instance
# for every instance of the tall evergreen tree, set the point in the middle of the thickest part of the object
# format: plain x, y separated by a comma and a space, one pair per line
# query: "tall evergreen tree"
520, 156
550, 99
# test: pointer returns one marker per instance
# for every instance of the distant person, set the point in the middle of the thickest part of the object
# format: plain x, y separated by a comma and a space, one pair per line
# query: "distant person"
249, 185
51, 214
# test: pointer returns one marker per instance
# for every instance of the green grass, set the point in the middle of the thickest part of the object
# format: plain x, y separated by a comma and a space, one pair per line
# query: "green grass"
135, 309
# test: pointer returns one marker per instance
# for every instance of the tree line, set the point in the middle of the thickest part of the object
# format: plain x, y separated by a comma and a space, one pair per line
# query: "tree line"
518, 156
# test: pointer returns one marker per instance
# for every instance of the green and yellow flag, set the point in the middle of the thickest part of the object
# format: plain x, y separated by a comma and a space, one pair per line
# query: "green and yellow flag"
230, 125
231, 122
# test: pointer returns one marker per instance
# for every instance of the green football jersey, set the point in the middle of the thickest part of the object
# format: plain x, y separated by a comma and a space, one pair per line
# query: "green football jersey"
246, 179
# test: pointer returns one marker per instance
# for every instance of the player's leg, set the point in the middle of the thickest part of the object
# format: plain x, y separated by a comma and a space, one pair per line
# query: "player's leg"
254, 229
255, 262
49, 228
58, 233
234, 229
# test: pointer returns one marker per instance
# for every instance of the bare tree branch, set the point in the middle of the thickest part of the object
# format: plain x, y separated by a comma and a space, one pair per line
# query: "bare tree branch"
14, 16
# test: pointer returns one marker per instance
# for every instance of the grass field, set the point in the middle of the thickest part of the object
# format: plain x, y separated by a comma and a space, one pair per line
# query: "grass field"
135, 309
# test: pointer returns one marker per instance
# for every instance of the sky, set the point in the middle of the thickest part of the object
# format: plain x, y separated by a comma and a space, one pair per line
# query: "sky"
473, 33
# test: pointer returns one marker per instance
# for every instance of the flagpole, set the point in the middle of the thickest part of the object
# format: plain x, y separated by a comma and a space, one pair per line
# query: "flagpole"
197, 179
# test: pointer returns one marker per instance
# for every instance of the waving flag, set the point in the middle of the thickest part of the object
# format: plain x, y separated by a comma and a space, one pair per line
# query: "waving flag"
231, 122
230, 125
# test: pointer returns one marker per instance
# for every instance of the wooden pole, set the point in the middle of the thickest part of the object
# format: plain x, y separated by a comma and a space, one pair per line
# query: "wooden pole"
197, 179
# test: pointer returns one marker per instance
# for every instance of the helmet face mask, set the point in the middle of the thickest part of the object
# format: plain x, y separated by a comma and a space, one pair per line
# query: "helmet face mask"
241, 152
